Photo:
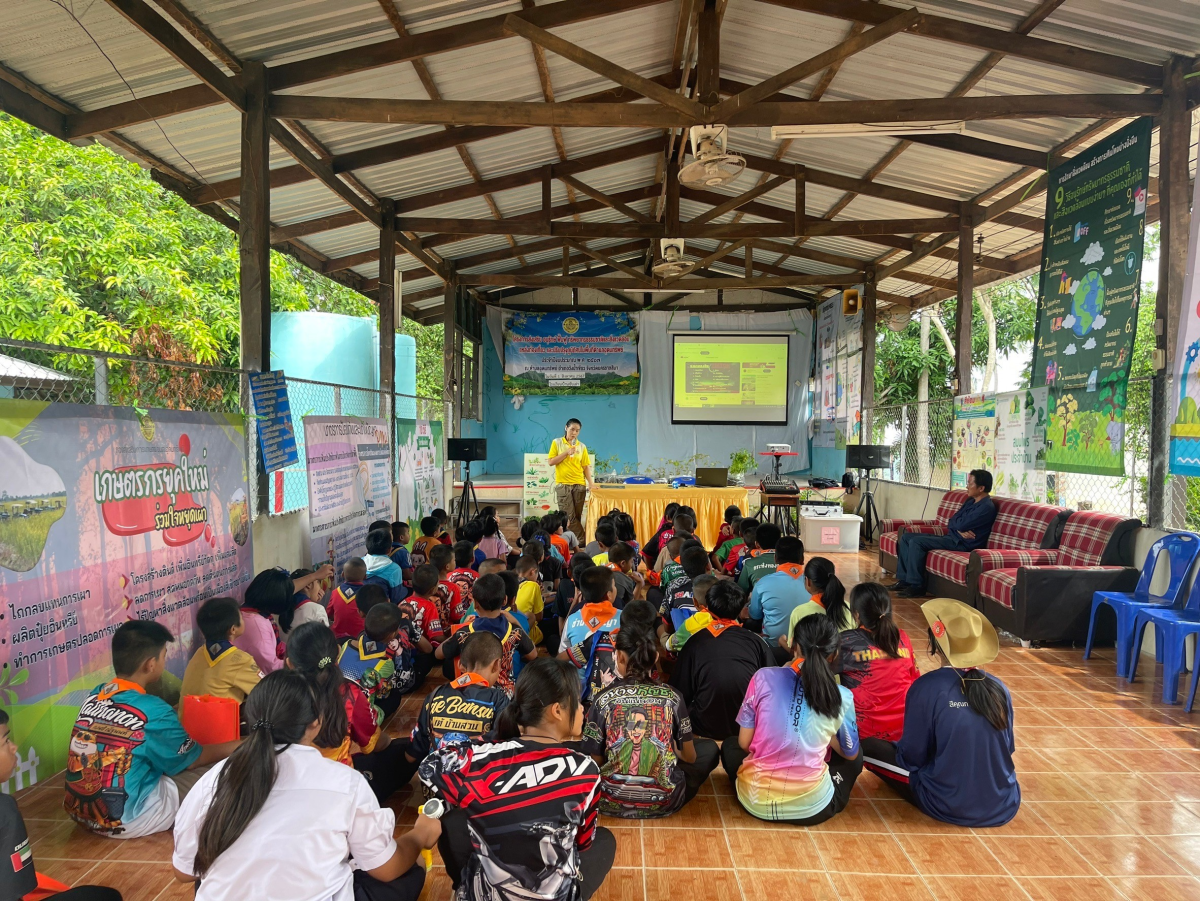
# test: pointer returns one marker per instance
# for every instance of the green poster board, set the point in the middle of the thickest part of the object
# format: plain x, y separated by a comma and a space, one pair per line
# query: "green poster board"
1087, 305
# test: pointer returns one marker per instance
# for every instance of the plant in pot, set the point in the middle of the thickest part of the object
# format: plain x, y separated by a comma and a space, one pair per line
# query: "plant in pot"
741, 461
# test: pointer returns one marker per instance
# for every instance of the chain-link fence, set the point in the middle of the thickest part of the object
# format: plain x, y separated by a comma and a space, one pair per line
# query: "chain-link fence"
920, 436
45, 372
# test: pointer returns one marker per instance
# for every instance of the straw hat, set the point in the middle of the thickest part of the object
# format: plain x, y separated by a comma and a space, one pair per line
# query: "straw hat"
962, 632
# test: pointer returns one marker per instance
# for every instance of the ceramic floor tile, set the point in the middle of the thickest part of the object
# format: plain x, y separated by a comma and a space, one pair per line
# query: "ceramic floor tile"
702, 812
44, 803
710, 884
1090, 762
1128, 855
775, 885
1159, 818
69, 872
1087, 888
901, 818
1081, 817
1112, 787
882, 888
792, 848
1025, 823
661, 847
1053, 787
141, 882
620, 885
1046, 856
950, 855
437, 886
629, 846
977, 888
859, 816
151, 849
1159, 888
872, 854
69, 841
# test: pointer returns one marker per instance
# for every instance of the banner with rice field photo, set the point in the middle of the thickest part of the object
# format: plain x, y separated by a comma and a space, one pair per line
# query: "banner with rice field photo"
1088, 298
106, 514
571, 353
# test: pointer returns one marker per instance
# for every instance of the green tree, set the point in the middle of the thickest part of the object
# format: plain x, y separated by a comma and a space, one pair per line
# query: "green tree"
95, 254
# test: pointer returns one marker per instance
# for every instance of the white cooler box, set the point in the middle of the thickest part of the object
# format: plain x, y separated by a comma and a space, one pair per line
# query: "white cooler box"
830, 534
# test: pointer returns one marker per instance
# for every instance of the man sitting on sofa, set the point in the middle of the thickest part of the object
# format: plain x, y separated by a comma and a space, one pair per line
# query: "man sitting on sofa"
968, 529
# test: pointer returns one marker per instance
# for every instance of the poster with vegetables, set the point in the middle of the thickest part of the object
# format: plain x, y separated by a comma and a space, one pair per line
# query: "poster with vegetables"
1087, 306
537, 495
1020, 468
973, 436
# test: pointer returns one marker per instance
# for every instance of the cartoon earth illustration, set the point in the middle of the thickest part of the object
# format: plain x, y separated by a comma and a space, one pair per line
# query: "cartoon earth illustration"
1087, 302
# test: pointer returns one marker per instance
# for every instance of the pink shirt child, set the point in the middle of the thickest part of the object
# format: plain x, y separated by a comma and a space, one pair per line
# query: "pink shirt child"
260, 640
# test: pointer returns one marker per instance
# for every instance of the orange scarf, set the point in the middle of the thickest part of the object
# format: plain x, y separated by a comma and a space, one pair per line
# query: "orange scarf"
795, 570
717, 626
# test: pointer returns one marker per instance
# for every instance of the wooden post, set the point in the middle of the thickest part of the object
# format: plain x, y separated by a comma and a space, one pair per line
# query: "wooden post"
867, 380
1172, 266
387, 318
547, 201
966, 308
708, 55
672, 216
750, 260
801, 177
450, 386
566, 266
254, 242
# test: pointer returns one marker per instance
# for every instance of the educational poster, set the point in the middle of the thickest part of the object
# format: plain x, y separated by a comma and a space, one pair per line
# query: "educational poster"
419, 461
570, 353
1185, 393
349, 484
825, 433
273, 420
537, 494
106, 516
1021, 420
854, 398
1087, 308
973, 436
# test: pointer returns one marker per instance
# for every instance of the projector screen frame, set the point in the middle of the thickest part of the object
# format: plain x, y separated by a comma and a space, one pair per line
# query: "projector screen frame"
787, 400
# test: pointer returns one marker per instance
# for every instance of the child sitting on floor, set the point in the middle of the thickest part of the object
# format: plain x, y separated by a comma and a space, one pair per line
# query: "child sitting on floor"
732, 514
345, 617
446, 595
739, 551
491, 616
606, 537
472, 533
597, 587
493, 543
399, 555
677, 603
674, 641
421, 547
639, 732
726, 545
596, 655
310, 600
827, 595
529, 595
630, 583
380, 567
464, 573
218, 668
130, 762
464, 708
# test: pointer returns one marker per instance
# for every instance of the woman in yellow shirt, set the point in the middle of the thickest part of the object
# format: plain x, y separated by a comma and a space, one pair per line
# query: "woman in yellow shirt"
572, 474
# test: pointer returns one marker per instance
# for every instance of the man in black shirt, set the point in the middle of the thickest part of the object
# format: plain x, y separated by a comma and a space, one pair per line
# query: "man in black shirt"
715, 666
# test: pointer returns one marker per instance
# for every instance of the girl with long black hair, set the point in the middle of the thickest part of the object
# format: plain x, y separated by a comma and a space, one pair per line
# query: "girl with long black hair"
639, 731
954, 760
875, 661
826, 594
277, 791
791, 717
267, 612
524, 806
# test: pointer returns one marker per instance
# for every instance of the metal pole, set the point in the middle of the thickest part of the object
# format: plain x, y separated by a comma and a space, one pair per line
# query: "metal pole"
100, 372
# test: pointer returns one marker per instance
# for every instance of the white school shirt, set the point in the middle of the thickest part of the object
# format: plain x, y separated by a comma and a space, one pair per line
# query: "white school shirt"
298, 847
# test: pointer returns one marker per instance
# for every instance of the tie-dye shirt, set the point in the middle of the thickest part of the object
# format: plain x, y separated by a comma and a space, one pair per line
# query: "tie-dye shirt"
785, 776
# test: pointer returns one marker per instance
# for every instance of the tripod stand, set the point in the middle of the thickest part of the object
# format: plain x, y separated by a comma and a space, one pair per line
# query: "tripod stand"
871, 514
468, 502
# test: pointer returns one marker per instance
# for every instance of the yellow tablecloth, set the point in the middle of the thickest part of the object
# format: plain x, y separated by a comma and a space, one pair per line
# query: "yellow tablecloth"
645, 503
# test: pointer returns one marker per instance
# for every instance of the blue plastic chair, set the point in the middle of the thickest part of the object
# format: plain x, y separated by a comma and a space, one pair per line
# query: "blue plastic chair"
1171, 630
1182, 549
639, 480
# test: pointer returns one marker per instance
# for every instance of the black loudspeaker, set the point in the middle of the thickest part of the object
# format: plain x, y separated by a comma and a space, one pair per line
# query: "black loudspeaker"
467, 450
868, 456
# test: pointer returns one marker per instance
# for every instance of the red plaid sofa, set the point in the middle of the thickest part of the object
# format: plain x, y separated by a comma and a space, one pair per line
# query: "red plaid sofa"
891, 529
1020, 526
1046, 595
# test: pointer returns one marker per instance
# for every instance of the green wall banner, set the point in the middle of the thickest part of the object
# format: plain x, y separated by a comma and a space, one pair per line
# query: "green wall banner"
1087, 305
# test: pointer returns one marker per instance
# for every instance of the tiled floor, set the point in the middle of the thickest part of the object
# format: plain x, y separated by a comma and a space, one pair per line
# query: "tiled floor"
1110, 779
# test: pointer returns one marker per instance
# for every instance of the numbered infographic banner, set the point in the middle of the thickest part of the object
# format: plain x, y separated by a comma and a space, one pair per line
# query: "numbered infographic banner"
973, 436
419, 465
1087, 306
1185, 421
570, 353
1021, 420
106, 516
349, 484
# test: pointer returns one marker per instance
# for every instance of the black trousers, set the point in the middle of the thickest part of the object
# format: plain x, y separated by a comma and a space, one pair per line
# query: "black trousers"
843, 771
696, 773
385, 770
406, 888
879, 756
455, 848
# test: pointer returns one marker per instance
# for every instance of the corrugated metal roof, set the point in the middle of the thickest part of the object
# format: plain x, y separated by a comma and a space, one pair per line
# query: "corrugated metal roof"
101, 59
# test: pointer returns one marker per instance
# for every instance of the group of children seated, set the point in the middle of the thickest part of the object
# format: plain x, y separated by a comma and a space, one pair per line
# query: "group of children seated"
658, 662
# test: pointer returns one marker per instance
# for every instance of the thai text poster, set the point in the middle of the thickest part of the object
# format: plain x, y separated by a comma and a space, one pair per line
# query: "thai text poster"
106, 516
1088, 298
570, 353
349, 484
